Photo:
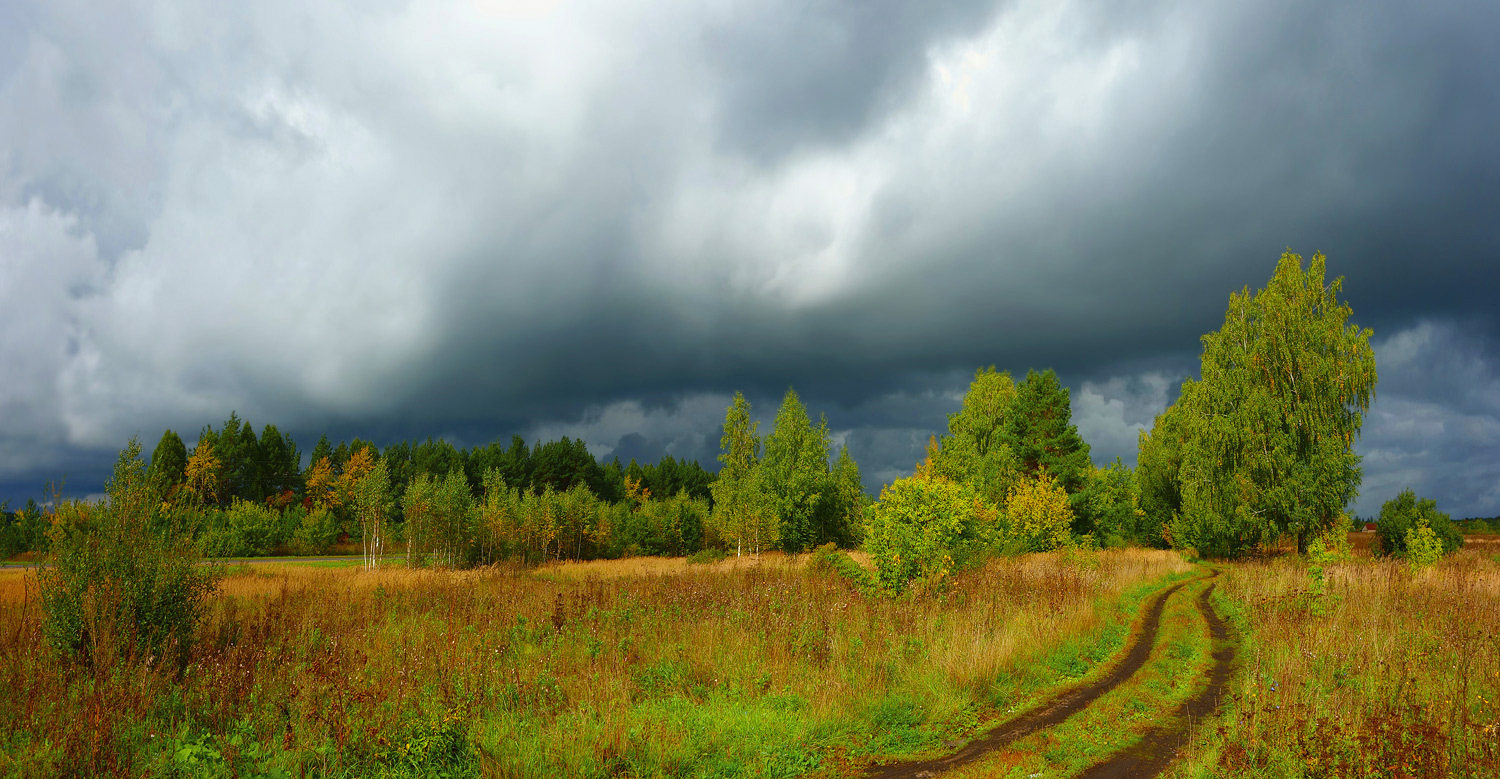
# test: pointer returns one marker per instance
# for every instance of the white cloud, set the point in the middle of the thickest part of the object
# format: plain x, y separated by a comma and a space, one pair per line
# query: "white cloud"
1110, 414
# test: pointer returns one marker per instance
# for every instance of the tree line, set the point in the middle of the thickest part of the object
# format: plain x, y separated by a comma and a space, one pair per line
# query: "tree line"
243, 494
1257, 450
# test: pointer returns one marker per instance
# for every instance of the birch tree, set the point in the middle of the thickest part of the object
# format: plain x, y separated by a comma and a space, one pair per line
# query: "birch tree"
1271, 423
371, 503
741, 510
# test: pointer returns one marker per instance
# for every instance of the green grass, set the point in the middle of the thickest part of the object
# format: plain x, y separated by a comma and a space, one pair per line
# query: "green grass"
1118, 719
755, 672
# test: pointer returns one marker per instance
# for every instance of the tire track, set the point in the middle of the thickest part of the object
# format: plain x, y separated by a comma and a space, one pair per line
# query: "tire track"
1152, 754
1051, 713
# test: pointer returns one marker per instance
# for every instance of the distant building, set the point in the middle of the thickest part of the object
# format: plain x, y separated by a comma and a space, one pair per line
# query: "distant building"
1369, 527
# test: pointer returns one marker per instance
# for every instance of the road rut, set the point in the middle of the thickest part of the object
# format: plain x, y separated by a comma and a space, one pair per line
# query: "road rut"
1051, 713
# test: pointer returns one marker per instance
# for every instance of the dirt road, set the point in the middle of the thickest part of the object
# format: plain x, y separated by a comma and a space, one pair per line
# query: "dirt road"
1148, 757
1048, 714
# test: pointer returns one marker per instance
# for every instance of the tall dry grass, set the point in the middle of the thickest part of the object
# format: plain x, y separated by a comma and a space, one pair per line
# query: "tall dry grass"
1391, 674
754, 669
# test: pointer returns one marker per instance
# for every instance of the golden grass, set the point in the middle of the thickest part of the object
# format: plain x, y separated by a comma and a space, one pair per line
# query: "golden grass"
566, 670
1390, 669
14, 584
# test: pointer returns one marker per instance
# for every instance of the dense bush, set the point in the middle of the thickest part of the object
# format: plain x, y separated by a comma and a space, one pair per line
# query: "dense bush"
124, 581
315, 531
923, 528
1039, 516
245, 529
1407, 512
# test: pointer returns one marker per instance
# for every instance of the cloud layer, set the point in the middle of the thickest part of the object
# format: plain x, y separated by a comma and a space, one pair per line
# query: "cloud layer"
479, 217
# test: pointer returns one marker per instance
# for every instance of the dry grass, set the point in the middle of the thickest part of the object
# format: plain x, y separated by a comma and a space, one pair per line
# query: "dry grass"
14, 584
667, 566
646, 666
1392, 674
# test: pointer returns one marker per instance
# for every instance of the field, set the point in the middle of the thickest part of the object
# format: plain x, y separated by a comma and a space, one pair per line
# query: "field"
1093, 664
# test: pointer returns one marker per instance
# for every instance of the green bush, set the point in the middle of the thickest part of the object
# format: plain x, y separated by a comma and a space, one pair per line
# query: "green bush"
1405, 512
123, 581
707, 556
829, 559
924, 528
317, 532
1422, 547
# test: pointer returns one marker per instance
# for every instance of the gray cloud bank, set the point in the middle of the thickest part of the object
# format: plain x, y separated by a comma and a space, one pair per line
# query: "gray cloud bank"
480, 217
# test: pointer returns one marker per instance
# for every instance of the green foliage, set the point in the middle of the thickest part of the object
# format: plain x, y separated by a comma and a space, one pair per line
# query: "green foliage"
707, 556
371, 501
796, 473
673, 526
923, 528
1423, 549
1406, 511
744, 514
829, 559
1041, 433
1323, 551
123, 581
841, 510
244, 529
977, 450
564, 463
666, 478
1269, 427
1109, 502
1039, 516
23, 531
1158, 475
439, 515
169, 460
435, 747
315, 532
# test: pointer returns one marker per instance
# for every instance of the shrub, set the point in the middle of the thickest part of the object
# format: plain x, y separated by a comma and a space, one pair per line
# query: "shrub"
707, 556
316, 533
1405, 512
829, 559
923, 528
1423, 549
1039, 515
124, 580
245, 529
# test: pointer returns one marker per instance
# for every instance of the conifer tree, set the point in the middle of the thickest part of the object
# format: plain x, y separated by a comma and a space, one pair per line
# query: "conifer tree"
1042, 435
169, 461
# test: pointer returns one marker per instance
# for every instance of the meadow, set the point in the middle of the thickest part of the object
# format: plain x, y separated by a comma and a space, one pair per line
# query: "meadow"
778, 666
749, 667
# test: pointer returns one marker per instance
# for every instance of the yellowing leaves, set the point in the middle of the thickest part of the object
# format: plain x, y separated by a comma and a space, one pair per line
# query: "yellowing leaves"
1040, 518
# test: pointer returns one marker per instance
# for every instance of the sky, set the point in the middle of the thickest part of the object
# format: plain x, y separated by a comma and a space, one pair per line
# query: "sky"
480, 218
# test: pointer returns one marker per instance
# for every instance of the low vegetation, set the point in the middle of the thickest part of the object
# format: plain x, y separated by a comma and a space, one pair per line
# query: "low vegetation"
717, 669
1389, 672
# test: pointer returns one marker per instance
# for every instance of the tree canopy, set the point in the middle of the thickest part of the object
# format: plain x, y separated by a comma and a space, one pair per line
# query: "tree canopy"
1262, 442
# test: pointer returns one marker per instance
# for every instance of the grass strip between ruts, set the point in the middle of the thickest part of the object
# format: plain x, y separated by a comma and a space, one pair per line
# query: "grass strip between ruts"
1122, 716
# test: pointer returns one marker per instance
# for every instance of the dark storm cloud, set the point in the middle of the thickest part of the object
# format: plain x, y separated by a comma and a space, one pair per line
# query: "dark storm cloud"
792, 76
482, 218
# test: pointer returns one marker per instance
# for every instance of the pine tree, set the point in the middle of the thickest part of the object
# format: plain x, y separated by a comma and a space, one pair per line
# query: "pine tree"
1041, 433
169, 462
